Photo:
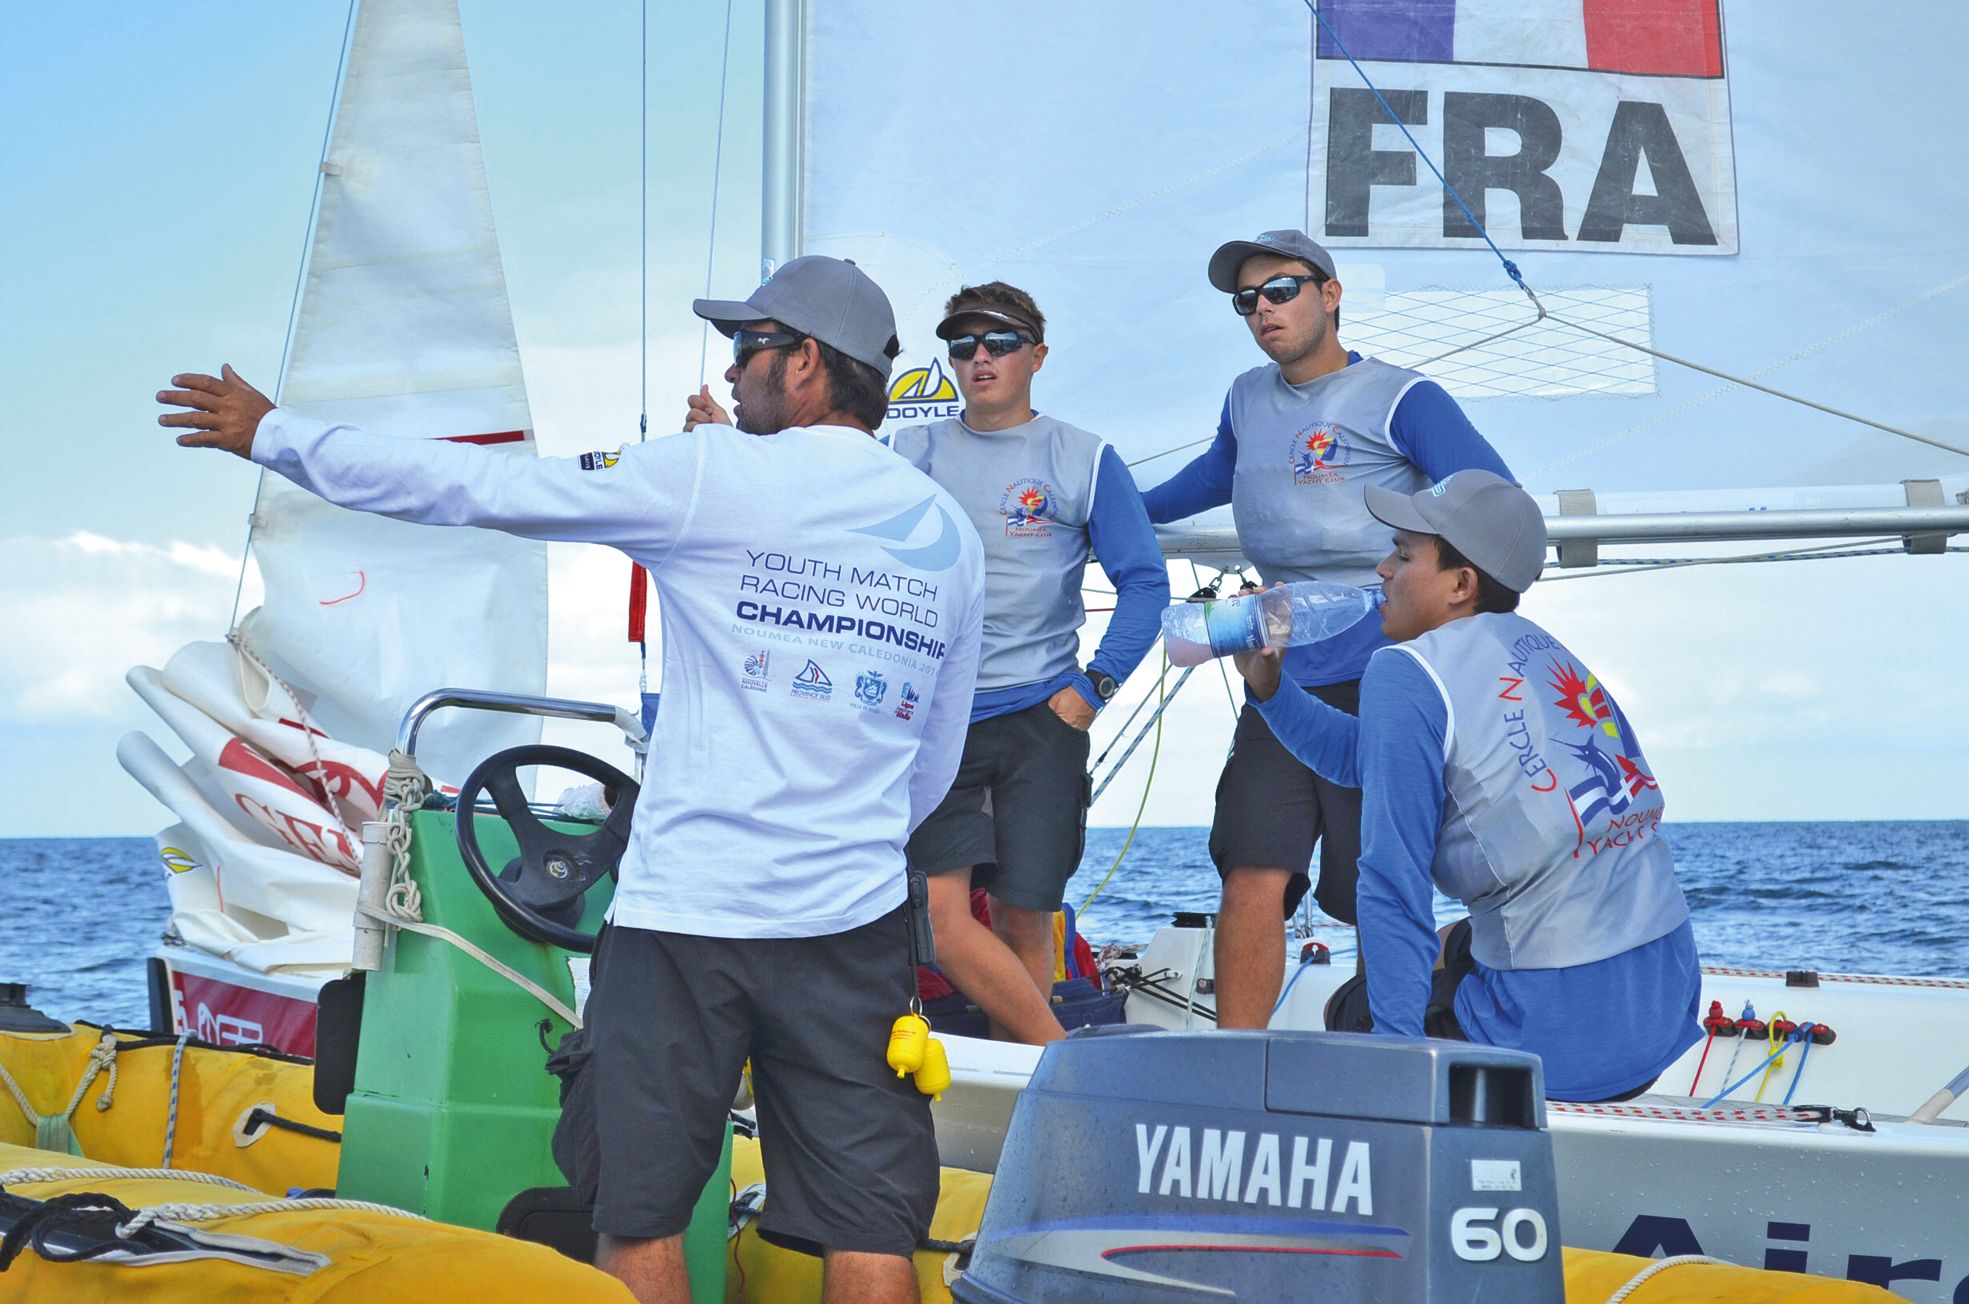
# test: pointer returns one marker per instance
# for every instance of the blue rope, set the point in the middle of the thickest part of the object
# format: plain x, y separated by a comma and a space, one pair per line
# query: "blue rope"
1790, 1040
1510, 268
1805, 1035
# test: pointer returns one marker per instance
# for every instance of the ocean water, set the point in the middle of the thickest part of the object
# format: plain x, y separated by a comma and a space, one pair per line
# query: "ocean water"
82, 913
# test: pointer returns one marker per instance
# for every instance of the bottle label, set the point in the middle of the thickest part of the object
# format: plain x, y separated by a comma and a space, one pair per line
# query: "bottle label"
1233, 625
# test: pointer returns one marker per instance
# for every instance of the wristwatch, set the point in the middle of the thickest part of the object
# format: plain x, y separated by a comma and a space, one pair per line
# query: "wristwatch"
1105, 686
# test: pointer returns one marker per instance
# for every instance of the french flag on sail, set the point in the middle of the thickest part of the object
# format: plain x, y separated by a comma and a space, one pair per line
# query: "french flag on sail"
1653, 38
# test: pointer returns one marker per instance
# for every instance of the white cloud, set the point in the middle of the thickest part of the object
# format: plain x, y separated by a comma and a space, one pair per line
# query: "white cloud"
84, 608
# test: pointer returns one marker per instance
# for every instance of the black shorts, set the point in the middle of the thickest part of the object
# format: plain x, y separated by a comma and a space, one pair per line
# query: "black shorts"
1347, 1009
1016, 814
849, 1153
1271, 809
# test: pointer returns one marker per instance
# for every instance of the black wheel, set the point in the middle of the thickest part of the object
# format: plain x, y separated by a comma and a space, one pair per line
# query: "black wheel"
538, 893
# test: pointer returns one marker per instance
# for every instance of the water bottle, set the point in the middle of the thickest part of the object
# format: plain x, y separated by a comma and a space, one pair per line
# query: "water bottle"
1283, 616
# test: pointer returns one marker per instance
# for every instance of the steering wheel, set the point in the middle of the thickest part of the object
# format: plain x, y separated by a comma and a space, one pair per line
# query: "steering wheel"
538, 893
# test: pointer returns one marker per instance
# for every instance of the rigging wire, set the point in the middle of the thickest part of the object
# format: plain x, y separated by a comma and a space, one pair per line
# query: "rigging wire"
717, 169
294, 300
1155, 754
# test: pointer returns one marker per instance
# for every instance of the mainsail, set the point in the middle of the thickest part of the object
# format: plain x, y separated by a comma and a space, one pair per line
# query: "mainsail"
402, 327
1755, 195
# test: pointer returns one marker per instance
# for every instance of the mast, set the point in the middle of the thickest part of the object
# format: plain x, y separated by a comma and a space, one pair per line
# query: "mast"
780, 197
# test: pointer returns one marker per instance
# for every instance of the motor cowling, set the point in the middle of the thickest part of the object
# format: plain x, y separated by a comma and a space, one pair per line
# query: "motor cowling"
1163, 1166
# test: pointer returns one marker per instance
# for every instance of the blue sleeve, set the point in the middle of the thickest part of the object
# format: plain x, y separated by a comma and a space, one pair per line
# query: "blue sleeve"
1125, 543
1203, 484
1432, 432
1404, 727
1326, 740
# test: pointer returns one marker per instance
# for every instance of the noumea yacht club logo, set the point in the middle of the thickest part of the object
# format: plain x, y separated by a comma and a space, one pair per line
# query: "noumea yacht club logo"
1608, 751
1026, 506
923, 394
1316, 450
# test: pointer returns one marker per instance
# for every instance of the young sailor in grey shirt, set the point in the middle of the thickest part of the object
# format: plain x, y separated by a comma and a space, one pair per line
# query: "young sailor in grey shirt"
1041, 493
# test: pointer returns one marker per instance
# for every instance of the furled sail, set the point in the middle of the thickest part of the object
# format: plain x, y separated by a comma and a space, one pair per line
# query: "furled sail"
1757, 195
402, 327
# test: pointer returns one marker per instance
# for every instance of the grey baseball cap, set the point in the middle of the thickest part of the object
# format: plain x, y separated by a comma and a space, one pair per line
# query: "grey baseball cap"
994, 312
1484, 516
1282, 244
830, 299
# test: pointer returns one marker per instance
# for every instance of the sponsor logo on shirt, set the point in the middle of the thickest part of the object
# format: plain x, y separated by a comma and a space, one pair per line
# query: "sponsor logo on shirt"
1316, 450
906, 707
870, 689
755, 670
1025, 504
1607, 763
600, 461
813, 682
923, 393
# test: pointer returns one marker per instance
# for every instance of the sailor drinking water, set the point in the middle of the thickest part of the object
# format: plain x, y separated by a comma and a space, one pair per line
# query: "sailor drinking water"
1496, 767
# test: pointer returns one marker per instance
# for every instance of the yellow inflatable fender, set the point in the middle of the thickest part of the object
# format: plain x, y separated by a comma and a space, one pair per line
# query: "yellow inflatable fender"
124, 1111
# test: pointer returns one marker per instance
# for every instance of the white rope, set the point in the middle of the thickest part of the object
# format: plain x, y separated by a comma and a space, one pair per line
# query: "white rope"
1657, 1268
110, 1171
171, 1120
54, 1131
405, 788
187, 1213
484, 957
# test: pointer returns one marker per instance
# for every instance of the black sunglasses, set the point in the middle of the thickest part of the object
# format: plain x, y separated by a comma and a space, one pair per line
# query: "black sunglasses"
996, 343
1280, 289
746, 343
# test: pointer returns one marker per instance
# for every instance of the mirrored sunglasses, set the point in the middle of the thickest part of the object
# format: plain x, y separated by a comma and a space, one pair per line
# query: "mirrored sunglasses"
996, 343
1280, 289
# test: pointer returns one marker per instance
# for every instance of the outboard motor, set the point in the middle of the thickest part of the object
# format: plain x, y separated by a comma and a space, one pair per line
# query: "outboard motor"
1150, 1166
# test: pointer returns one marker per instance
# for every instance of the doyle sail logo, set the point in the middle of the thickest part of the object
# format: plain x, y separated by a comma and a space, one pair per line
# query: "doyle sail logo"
907, 529
600, 461
176, 861
813, 682
923, 394
1315, 451
1026, 506
1595, 126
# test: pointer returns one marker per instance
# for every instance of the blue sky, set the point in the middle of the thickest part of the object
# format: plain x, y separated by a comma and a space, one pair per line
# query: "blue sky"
159, 170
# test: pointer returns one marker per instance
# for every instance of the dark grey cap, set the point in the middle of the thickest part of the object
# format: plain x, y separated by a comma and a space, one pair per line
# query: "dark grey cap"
830, 299
995, 312
1282, 244
1484, 516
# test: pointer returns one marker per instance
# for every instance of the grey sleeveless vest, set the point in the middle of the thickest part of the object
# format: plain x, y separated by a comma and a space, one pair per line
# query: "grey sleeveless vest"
1029, 491
1305, 454
1551, 823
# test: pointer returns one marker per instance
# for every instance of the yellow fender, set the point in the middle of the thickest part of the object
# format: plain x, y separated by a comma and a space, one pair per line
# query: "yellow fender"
374, 1258
217, 1090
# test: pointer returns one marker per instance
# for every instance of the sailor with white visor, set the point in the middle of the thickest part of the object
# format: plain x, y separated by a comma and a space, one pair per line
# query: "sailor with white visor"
1496, 766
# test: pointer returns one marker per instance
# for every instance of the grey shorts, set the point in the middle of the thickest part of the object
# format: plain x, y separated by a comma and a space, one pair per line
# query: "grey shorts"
1017, 810
1271, 809
849, 1154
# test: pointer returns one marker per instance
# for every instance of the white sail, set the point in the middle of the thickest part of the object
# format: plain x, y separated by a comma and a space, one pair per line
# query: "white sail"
403, 327
1757, 195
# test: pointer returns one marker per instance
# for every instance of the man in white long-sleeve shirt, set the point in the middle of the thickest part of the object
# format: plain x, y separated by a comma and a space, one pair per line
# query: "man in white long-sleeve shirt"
821, 605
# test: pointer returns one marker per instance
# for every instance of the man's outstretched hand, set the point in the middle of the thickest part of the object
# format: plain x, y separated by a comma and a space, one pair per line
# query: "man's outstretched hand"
225, 411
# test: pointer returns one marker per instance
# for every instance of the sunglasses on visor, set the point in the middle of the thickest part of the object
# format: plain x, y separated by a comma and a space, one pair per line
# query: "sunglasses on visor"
746, 343
1280, 289
996, 343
